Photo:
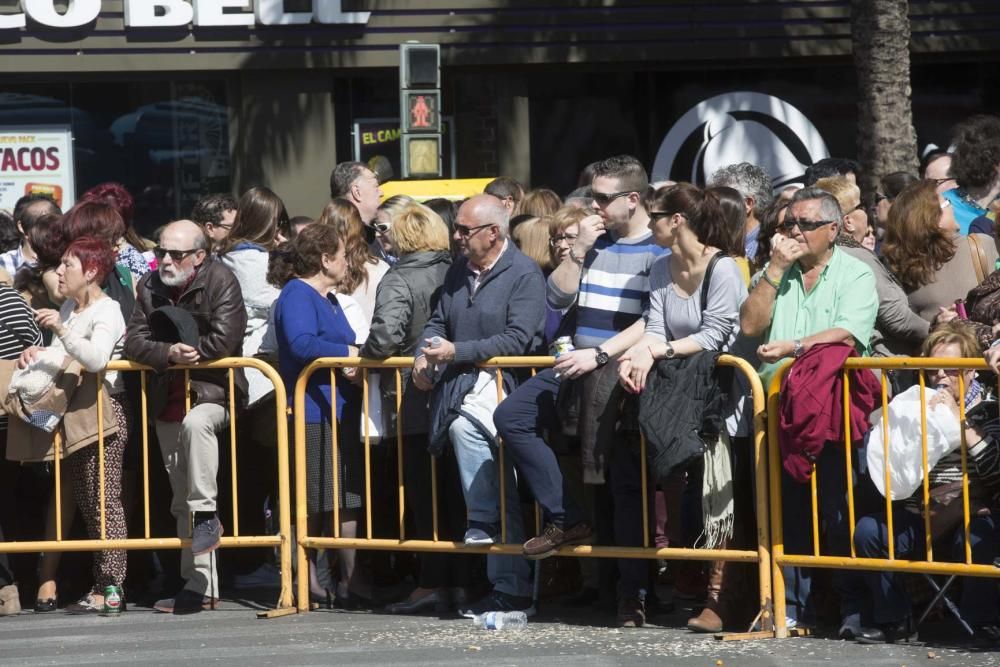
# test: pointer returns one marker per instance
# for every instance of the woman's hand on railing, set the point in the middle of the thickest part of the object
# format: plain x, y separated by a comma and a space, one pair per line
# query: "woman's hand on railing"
634, 367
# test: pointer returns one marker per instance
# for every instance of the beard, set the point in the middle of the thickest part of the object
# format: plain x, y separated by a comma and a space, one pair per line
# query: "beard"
172, 277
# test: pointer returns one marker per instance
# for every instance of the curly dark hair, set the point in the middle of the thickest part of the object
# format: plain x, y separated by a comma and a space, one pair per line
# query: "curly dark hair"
977, 151
302, 257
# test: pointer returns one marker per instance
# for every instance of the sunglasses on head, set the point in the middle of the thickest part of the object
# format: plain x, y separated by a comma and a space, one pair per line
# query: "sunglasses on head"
466, 232
605, 198
176, 255
803, 225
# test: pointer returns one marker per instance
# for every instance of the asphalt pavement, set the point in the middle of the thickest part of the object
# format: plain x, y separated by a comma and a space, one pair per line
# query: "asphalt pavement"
233, 635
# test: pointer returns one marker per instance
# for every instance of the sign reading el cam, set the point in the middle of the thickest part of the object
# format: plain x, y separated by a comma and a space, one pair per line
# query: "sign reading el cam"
167, 13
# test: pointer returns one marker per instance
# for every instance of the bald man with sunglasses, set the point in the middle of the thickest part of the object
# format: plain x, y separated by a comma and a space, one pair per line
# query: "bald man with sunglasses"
206, 295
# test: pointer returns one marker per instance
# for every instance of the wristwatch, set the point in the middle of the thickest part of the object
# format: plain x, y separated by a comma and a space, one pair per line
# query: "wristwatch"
670, 351
798, 350
602, 357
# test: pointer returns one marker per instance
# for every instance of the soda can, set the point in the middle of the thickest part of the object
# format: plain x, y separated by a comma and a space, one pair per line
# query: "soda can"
563, 345
112, 601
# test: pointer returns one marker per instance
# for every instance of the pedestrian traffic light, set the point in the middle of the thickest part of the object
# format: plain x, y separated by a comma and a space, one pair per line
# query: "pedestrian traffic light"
422, 155
422, 111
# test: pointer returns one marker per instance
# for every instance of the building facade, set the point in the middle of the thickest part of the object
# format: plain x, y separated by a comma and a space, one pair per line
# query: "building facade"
176, 98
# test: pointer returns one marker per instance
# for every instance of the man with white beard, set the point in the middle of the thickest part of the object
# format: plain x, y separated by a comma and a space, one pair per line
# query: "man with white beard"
189, 310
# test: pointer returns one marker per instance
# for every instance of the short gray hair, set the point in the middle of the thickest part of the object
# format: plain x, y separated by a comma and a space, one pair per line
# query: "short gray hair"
491, 211
750, 181
828, 206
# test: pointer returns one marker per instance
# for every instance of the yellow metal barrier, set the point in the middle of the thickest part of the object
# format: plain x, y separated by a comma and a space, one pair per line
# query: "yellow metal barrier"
282, 540
853, 562
760, 555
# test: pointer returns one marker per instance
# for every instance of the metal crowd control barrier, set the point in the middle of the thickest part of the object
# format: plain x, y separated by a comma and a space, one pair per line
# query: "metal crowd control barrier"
853, 562
760, 555
282, 540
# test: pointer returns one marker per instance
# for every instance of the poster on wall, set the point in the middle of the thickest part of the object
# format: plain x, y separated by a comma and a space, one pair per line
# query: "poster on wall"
36, 160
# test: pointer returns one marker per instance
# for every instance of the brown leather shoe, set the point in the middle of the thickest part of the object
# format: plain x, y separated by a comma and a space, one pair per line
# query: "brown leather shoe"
707, 621
546, 544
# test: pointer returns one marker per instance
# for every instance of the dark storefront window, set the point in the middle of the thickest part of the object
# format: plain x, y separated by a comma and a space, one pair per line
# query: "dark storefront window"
166, 141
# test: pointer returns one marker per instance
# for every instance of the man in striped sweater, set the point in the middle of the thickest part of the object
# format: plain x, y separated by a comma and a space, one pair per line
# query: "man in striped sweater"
607, 276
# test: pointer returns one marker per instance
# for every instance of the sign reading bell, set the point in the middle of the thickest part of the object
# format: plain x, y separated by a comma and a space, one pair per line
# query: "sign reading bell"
172, 13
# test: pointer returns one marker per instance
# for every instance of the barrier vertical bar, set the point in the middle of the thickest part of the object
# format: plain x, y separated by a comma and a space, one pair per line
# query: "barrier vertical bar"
232, 444
334, 444
145, 453
368, 453
100, 453
399, 453
301, 504
965, 467
503, 472
57, 459
885, 463
848, 460
928, 537
814, 497
777, 529
434, 497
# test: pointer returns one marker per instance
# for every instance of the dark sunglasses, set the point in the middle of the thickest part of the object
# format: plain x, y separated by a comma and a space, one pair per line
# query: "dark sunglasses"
176, 255
803, 225
604, 198
382, 228
466, 232
879, 197
656, 215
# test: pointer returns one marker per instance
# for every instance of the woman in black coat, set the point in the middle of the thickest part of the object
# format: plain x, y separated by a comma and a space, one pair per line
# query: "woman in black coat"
405, 300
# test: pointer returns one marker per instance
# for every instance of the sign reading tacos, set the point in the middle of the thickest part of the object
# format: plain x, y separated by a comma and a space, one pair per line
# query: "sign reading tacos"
36, 161
167, 13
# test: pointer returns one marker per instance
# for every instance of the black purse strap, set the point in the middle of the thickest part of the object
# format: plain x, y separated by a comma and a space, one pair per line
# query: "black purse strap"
707, 281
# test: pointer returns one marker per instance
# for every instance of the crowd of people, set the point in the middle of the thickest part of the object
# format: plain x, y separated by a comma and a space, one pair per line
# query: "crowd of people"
637, 287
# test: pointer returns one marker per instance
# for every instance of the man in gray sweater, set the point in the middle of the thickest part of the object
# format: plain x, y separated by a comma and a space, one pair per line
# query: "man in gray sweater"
492, 304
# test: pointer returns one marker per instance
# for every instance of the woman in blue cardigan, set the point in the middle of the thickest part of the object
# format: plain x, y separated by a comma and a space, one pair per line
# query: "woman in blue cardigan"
309, 324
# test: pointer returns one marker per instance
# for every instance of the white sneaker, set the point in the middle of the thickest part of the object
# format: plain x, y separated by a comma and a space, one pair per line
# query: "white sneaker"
477, 535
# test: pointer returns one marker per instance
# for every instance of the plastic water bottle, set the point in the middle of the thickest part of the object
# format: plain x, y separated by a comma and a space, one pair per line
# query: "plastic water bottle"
502, 620
561, 346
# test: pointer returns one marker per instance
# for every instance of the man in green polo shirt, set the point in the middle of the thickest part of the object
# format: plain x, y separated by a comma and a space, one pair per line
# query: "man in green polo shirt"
811, 292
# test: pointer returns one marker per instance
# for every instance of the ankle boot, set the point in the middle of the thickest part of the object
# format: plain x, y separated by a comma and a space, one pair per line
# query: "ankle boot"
10, 601
712, 617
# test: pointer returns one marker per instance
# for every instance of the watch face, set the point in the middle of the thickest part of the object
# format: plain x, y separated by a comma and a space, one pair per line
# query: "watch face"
602, 358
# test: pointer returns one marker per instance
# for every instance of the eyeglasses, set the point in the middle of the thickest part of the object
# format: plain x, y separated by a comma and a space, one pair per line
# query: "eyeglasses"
220, 225
656, 215
176, 255
382, 227
465, 231
803, 225
556, 240
602, 199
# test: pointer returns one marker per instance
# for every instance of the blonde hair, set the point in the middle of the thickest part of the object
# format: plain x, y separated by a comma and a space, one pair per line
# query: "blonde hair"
396, 203
416, 228
532, 237
957, 332
847, 194
564, 218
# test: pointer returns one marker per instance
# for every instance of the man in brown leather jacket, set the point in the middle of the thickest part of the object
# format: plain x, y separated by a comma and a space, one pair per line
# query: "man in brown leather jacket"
188, 279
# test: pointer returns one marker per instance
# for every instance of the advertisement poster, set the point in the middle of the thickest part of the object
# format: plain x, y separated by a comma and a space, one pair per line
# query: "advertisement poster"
36, 159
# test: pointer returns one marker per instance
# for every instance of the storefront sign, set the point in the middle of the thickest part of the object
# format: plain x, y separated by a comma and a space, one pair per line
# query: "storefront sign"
172, 13
381, 136
740, 127
36, 160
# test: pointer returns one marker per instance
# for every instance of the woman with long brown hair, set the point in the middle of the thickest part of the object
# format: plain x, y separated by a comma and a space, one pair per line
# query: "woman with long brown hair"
924, 250
364, 270
254, 234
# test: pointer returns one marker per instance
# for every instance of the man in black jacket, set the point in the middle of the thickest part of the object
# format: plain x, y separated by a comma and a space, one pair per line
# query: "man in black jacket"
188, 279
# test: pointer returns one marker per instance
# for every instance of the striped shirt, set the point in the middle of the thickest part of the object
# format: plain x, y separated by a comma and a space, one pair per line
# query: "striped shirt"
614, 288
17, 329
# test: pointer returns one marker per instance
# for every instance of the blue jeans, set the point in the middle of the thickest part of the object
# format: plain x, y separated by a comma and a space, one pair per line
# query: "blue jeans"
479, 470
891, 603
796, 503
521, 420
